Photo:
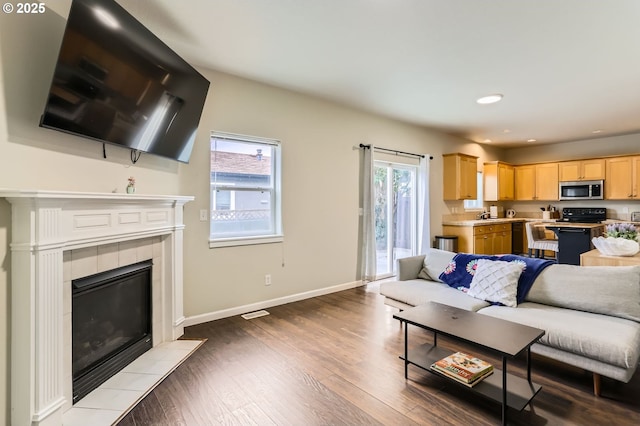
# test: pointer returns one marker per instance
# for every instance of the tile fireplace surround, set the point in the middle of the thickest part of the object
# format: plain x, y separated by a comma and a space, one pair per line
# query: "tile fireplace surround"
49, 230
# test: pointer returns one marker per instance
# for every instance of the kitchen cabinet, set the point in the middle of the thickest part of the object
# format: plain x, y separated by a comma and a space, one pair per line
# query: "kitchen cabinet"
502, 240
460, 177
592, 169
622, 180
498, 181
482, 239
525, 182
536, 181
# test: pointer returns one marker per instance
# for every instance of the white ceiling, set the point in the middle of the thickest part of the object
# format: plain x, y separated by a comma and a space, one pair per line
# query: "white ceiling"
566, 68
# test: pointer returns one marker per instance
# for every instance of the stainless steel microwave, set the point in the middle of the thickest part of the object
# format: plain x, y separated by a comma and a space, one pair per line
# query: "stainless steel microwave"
582, 190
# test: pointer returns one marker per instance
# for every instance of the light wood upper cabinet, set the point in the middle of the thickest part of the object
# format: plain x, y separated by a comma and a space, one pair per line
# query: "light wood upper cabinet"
622, 180
498, 181
460, 177
536, 182
525, 182
547, 181
592, 169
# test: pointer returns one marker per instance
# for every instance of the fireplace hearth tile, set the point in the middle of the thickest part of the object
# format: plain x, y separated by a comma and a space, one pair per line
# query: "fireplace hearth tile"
168, 355
148, 365
132, 381
90, 416
109, 399
126, 389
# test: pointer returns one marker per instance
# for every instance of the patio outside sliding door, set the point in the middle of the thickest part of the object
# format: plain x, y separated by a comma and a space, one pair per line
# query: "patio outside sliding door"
395, 215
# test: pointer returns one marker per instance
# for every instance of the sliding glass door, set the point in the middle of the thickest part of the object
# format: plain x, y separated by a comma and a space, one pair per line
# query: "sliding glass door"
395, 215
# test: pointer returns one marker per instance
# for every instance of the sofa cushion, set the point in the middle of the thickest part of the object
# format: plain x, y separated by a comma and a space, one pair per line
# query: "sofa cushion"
610, 290
496, 281
435, 261
608, 339
418, 292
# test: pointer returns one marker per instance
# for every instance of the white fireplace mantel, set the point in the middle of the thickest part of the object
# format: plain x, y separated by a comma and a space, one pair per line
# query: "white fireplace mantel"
45, 224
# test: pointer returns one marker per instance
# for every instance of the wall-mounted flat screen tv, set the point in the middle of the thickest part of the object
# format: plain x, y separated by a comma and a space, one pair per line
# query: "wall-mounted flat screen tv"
116, 82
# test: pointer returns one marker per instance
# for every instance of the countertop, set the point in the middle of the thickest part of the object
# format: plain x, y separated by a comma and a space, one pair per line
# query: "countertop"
574, 225
480, 222
548, 222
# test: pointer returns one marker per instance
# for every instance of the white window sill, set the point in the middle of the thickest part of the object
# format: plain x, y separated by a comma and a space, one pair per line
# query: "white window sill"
248, 241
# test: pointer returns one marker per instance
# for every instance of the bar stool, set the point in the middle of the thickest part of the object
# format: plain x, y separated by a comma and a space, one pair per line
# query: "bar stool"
537, 242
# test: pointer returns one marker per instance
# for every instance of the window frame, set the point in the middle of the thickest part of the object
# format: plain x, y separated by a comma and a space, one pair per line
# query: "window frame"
275, 189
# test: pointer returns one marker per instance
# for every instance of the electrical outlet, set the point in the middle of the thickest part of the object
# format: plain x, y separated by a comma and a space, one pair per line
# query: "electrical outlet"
267, 279
204, 215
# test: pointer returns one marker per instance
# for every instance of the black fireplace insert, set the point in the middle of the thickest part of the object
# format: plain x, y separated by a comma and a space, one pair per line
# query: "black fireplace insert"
110, 325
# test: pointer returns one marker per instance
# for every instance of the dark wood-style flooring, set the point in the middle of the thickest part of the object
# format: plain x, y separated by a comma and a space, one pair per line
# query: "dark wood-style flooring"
333, 360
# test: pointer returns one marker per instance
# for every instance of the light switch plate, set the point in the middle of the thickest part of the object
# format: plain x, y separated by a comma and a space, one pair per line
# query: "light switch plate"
204, 215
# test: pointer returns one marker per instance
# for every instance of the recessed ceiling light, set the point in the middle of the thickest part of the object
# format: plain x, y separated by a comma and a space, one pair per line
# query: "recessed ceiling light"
531, 140
597, 131
490, 99
506, 131
487, 141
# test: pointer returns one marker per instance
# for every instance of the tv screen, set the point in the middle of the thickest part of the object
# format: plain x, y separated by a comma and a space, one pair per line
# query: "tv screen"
116, 82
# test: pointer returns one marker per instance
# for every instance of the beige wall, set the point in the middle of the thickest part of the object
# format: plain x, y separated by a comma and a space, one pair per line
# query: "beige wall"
320, 176
320, 186
601, 147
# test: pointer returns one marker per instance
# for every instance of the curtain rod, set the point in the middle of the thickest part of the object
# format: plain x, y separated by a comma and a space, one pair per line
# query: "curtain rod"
394, 151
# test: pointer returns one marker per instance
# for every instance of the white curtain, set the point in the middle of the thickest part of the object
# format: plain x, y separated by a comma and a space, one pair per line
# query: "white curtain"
368, 248
424, 216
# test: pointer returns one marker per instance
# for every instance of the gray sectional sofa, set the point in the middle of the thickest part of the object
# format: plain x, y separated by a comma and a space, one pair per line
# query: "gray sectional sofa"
591, 315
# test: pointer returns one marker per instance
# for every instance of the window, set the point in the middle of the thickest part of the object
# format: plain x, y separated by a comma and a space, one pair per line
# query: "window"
245, 190
477, 203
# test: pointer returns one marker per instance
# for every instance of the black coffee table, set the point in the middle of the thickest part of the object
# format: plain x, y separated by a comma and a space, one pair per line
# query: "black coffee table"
506, 338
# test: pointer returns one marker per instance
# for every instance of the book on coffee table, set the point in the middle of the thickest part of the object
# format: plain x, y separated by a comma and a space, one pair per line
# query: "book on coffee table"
463, 367
457, 379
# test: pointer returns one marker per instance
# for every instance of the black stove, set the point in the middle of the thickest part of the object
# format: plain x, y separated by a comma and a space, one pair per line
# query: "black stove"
584, 214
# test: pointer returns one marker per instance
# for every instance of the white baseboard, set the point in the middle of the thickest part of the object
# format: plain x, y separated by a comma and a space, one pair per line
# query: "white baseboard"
230, 312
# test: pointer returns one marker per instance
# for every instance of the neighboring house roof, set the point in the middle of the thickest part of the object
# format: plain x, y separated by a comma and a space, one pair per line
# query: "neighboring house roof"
230, 162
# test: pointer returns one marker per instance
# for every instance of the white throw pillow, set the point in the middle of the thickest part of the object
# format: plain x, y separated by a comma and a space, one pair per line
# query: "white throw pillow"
435, 262
496, 281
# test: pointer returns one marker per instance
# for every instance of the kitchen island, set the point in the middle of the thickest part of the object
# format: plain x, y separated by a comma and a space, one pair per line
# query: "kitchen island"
595, 258
574, 238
